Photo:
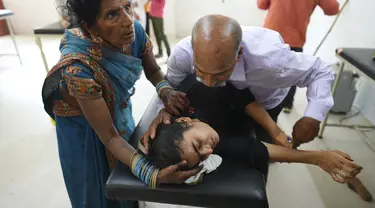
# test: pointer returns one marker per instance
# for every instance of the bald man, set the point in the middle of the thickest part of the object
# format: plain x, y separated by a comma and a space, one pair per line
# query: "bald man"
221, 51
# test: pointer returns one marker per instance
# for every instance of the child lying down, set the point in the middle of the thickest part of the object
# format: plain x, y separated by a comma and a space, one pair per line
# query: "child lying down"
217, 122
194, 141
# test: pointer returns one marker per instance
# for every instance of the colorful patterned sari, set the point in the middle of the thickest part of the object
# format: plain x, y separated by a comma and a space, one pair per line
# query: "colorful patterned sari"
89, 71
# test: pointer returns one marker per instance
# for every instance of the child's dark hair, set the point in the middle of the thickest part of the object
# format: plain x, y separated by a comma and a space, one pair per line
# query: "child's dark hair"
164, 149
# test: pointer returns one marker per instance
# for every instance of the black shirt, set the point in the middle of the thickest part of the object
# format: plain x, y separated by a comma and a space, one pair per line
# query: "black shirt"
223, 108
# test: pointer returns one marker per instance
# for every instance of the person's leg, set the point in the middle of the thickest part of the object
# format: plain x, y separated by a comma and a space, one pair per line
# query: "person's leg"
336, 163
156, 25
71, 155
84, 164
289, 99
164, 37
147, 27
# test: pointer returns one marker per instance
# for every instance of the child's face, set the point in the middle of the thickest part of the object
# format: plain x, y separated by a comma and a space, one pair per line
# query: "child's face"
198, 143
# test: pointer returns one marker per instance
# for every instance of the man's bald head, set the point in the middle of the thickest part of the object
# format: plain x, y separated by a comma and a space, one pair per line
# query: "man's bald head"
216, 42
219, 28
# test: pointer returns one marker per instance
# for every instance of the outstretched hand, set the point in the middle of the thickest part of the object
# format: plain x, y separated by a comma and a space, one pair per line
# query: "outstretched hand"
338, 164
163, 118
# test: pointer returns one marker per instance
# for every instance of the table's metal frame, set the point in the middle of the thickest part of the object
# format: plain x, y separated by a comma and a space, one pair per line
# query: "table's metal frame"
10, 28
353, 126
38, 41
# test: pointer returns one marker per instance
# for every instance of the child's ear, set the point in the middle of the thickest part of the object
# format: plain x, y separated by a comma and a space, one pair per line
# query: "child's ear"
184, 120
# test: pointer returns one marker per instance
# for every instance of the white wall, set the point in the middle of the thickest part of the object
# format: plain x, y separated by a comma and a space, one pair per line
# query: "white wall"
180, 15
169, 19
354, 28
187, 12
31, 13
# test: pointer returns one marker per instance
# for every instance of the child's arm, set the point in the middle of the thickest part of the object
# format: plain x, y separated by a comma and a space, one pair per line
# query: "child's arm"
336, 163
257, 112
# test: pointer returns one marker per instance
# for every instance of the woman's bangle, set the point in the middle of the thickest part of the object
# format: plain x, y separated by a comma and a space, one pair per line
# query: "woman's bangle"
144, 170
162, 85
131, 158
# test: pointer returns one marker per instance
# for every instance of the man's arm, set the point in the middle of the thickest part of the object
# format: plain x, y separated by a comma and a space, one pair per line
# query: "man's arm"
264, 4
330, 7
311, 72
257, 112
280, 67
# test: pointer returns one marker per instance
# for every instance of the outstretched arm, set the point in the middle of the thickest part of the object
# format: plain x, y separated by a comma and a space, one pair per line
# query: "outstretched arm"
336, 163
260, 115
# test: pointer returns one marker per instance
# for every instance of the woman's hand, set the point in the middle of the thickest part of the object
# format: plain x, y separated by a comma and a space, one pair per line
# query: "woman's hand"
174, 101
163, 117
174, 173
338, 164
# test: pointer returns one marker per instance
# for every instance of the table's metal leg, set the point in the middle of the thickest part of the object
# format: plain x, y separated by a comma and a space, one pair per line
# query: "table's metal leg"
337, 80
10, 28
39, 43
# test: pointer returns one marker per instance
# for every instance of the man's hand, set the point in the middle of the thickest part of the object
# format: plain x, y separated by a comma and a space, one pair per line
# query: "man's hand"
174, 101
163, 117
305, 130
174, 173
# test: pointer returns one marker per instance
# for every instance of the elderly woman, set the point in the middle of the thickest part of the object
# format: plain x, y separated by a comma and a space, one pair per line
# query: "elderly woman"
88, 94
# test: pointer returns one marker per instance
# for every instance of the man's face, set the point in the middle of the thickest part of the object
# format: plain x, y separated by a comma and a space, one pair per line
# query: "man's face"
214, 61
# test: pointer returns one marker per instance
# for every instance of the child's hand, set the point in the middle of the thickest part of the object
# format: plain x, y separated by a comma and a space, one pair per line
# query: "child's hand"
338, 164
284, 140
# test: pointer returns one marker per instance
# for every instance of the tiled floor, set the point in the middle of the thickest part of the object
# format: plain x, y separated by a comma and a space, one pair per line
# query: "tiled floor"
30, 173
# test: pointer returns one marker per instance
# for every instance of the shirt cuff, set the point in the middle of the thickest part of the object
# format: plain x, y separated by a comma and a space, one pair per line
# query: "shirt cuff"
317, 111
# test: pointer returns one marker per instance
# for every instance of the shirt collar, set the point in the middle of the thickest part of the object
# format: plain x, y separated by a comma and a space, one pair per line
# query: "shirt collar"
239, 71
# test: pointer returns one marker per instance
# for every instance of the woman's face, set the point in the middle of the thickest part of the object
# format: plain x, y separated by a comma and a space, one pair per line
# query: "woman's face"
115, 23
198, 143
